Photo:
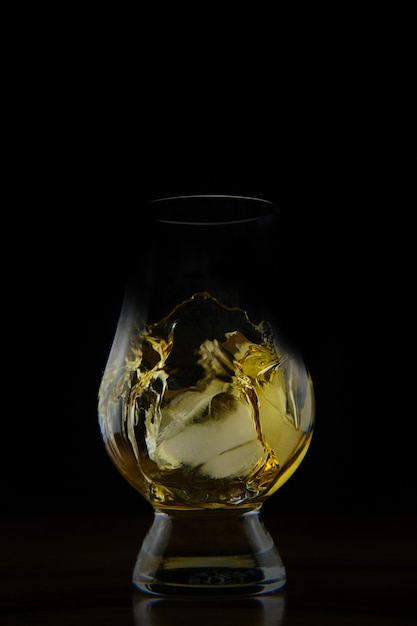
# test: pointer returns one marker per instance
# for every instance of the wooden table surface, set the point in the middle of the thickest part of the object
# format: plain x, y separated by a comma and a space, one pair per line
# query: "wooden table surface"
76, 570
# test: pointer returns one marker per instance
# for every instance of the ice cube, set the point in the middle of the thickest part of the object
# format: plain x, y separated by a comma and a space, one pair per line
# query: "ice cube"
235, 462
228, 428
188, 406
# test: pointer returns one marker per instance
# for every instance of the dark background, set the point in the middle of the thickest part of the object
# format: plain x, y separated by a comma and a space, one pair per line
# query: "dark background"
335, 300
310, 128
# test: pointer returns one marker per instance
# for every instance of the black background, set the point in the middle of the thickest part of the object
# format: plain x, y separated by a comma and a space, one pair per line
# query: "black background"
334, 298
103, 135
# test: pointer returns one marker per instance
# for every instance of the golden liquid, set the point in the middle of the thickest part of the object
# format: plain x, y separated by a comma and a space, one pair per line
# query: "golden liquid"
205, 412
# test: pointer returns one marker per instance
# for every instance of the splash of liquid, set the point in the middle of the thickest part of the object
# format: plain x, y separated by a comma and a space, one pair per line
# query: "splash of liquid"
213, 414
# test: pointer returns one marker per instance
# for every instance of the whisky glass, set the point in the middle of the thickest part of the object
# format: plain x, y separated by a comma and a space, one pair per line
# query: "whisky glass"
204, 407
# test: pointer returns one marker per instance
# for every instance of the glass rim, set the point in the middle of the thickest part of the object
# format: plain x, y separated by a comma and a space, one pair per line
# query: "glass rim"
246, 204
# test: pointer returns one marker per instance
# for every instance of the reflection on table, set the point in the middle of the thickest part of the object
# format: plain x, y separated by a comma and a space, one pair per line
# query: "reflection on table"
257, 611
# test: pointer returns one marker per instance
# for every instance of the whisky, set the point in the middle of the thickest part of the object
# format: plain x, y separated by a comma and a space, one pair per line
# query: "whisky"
205, 411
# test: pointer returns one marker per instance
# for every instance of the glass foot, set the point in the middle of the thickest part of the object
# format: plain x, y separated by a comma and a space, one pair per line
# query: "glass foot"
213, 552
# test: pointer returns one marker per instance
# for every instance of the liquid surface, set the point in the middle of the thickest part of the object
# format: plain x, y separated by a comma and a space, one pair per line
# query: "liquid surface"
205, 411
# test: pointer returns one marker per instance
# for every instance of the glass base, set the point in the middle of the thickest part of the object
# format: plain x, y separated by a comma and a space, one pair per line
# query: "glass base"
214, 552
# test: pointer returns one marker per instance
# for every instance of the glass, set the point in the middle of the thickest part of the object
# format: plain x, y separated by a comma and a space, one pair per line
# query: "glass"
204, 408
